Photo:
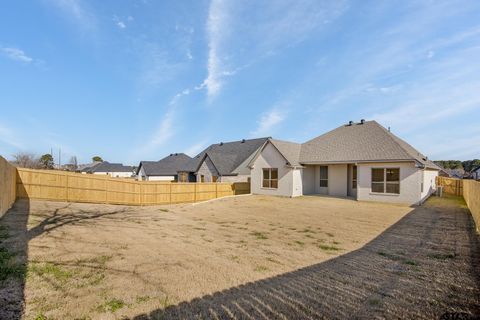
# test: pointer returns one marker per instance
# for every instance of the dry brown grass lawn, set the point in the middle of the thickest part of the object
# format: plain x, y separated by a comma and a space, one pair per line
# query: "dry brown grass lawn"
107, 262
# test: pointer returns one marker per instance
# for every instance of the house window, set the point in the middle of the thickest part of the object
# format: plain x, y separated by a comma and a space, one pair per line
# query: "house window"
270, 178
386, 180
354, 177
202, 178
214, 178
324, 176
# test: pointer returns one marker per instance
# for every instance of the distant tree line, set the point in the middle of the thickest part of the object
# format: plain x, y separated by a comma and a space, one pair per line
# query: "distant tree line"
467, 165
46, 161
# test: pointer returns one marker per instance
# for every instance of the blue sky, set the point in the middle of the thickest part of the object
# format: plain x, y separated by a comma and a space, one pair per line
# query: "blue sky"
137, 80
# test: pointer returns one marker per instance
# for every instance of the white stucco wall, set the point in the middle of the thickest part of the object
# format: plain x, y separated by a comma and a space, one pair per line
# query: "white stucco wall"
271, 158
115, 174
429, 183
142, 176
161, 178
337, 180
297, 185
410, 180
238, 178
308, 177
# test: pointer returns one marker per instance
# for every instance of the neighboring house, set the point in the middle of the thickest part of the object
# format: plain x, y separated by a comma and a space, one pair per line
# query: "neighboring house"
165, 169
225, 161
456, 173
362, 160
475, 173
112, 169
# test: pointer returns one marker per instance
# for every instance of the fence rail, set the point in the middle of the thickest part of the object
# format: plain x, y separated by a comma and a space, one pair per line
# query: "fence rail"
74, 187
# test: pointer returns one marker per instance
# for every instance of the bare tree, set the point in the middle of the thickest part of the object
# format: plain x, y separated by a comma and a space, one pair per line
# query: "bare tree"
72, 164
25, 160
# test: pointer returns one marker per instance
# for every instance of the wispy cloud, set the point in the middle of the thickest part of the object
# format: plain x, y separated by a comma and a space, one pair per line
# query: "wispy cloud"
165, 129
217, 29
9, 137
16, 54
76, 11
194, 149
156, 66
122, 23
237, 39
268, 121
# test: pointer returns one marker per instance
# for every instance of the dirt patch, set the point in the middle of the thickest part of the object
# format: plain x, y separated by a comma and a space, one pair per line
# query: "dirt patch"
109, 262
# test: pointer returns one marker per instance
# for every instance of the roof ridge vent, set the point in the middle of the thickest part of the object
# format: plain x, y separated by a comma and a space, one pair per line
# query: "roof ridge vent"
362, 121
350, 123
243, 140
221, 143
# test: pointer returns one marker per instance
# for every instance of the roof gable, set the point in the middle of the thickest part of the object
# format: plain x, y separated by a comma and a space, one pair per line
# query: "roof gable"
228, 156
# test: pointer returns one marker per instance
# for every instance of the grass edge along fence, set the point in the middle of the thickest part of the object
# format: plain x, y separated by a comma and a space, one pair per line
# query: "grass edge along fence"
74, 187
469, 189
8, 175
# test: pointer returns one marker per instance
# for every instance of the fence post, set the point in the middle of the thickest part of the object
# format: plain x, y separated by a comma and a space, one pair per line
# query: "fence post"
216, 190
195, 192
106, 191
67, 190
170, 193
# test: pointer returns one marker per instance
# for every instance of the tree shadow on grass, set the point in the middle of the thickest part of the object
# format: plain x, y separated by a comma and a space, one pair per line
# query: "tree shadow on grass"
426, 264
14, 239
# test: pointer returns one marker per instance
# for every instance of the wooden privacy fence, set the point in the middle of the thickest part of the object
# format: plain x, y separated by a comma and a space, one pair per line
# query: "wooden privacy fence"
74, 187
8, 176
471, 194
469, 189
451, 186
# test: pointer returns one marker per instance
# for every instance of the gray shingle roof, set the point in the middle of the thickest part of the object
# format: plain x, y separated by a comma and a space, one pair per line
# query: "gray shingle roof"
360, 142
290, 150
109, 167
227, 156
168, 166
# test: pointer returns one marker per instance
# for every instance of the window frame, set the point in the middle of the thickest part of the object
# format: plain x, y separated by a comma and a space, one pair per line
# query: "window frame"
385, 182
320, 179
354, 176
271, 182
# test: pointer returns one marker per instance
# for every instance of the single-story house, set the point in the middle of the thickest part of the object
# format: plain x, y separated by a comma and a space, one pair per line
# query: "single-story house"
361, 160
225, 161
117, 170
458, 173
165, 169
475, 173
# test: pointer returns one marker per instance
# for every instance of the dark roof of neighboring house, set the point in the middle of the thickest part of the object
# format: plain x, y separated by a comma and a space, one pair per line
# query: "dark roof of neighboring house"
168, 166
227, 156
367, 141
87, 167
475, 169
106, 166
